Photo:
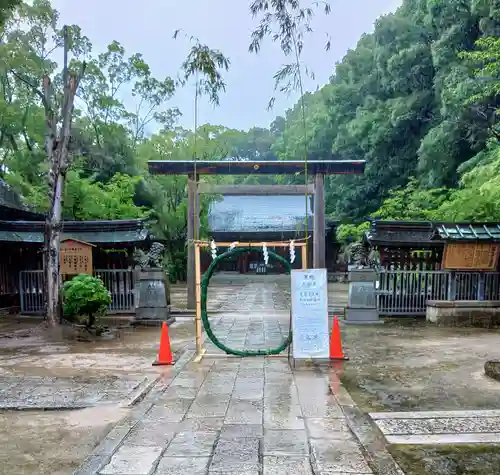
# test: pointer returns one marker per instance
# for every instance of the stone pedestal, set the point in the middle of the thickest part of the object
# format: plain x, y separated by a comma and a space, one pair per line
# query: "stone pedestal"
153, 297
362, 303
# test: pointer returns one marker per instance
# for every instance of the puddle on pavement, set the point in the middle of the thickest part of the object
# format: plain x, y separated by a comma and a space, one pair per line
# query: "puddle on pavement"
410, 365
56, 442
53, 443
26, 348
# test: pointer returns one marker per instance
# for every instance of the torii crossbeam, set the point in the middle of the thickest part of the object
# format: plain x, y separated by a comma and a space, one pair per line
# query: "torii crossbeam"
194, 168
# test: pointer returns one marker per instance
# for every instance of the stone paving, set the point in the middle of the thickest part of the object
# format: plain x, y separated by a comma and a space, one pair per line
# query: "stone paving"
36, 392
439, 427
257, 317
237, 416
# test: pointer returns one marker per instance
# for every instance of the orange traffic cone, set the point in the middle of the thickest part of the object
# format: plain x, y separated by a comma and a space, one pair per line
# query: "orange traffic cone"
165, 352
336, 352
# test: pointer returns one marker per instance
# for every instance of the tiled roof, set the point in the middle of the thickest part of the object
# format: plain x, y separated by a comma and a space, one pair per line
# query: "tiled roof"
259, 213
8, 197
400, 233
468, 232
12, 206
119, 231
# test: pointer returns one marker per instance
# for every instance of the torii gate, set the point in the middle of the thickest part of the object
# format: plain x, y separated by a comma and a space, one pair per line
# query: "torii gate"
316, 168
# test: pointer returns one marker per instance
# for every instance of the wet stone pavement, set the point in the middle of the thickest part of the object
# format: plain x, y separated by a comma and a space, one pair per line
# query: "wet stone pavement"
257, 317
236, 416
37, 392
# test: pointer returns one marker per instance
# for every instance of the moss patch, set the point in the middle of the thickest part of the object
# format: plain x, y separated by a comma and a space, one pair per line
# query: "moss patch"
447, 459
492, 369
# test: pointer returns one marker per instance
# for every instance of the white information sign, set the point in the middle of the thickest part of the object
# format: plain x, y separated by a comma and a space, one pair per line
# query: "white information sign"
310, 314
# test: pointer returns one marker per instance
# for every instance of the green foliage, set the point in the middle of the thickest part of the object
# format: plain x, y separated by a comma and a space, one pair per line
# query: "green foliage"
206, 66
406, 99
111, 200
5, 8
348, 233
478, 197
486, 59
418, 98
85, 298
412, 203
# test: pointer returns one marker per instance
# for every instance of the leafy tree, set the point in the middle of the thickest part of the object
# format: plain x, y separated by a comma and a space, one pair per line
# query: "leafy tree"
418, 99
477, 199
349, 233
86, 199
5, 8
486, 98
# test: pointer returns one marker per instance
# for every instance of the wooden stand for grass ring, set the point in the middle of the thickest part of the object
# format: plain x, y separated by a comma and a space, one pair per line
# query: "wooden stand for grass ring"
200, 351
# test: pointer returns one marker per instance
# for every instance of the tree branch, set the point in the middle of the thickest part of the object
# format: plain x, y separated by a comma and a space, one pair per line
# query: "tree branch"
37, 91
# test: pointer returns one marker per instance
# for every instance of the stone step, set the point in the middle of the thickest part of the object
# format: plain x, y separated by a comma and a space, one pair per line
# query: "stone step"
439, 427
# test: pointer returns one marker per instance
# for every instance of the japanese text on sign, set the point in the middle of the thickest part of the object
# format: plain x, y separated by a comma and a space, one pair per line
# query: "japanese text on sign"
76, 257
310, 314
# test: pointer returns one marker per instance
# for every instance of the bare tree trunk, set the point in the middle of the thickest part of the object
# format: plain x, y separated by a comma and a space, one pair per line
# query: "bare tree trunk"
57, 147
58, 156
52, 254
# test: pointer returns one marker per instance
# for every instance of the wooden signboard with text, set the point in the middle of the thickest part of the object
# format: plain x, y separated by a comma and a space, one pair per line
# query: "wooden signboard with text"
471, 256
76, 257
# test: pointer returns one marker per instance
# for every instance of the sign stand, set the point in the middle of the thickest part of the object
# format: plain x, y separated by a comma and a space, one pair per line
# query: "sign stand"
310, 315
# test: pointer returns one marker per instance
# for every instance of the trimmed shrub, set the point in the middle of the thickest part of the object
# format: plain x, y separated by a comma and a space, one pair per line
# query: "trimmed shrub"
85, 298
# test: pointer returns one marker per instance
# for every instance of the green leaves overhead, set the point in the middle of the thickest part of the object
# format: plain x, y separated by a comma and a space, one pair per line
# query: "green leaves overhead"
418, 98
205, 65
286, 22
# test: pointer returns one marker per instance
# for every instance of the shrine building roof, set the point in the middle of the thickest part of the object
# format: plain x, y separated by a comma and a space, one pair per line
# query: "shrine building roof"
95, 232
468, 232
401, 233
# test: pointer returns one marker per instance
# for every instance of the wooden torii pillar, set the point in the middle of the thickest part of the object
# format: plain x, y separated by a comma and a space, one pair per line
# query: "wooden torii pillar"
317, 168
193, 232
319, 229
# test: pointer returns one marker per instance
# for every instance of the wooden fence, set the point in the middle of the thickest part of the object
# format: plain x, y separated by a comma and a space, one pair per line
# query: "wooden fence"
119, 282
405, 292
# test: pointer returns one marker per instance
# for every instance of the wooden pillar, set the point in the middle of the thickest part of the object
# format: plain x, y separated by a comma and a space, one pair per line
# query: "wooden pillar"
193, 230
319, 222
198, 329
303, 254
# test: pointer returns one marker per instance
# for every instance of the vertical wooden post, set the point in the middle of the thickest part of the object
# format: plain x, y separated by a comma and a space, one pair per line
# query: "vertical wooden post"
196, 210
319, 222
199, 346
191, 226
303, 253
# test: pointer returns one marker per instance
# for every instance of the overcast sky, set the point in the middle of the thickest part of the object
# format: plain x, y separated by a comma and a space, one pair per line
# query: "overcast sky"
147, 27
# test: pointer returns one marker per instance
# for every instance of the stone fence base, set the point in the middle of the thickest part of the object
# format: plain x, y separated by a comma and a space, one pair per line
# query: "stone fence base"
464, 313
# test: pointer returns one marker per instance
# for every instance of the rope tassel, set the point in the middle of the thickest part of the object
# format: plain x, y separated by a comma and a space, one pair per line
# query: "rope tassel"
213, 249
265, 253
292, 251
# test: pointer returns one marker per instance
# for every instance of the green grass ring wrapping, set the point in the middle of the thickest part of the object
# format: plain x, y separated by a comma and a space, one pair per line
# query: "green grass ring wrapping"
204, 315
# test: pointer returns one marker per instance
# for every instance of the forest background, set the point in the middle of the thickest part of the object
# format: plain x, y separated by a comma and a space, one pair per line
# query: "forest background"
419, 99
